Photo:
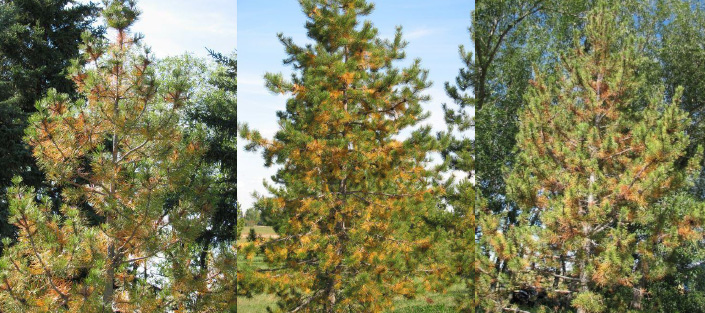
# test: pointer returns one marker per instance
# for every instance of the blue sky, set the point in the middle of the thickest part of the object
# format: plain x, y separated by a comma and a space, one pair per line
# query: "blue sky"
434, 30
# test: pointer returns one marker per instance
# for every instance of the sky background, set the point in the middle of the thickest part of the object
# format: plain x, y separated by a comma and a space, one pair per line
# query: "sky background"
175, 27
434, 30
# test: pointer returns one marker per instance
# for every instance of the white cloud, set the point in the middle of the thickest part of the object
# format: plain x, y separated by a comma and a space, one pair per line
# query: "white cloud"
172, 28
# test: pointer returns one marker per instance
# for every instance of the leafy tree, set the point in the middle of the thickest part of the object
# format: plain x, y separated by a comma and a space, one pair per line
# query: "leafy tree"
681, 53
240, 222
598, 168
252, 217
495, 23
121, 151
38, 39
351, 196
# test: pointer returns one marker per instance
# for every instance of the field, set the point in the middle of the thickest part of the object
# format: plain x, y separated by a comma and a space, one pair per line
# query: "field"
264, 231
429, 303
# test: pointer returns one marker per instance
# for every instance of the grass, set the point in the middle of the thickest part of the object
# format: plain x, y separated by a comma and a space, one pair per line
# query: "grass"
264, 231
439, 303
256, 304
442, 303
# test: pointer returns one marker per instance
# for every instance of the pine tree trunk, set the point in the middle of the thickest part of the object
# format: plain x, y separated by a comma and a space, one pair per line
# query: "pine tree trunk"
109, 279
583, 276
583, 283
584, 279
638, 290
330, 305
583, 272
637, 297
110, 272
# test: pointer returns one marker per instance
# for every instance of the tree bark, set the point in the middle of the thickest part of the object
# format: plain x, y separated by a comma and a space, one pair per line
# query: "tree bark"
109, 280
584, 279
330, 305
638, 290
637, 297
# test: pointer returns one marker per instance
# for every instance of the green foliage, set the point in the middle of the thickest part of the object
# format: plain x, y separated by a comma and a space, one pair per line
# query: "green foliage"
589, 302
679, 295
460, 194
120, 15
351, 199
122, 150
240, 222
37, 41
217, 111
252, 217
597, 153
679, 51
666, 42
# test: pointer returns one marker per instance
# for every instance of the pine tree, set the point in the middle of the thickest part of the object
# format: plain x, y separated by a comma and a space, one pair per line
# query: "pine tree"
352, 196
499, 251
209, 115
212, 110
218, 112
599, 163
38, 40
122, 152
461, 195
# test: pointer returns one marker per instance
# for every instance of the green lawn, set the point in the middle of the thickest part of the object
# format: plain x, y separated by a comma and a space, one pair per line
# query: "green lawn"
256, 304
440, 303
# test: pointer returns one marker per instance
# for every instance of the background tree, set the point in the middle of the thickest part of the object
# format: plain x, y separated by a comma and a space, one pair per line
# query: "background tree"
351, 196
240, 222
212, 110
122, 151
219, 116
682, 52
210, 113
37, 42
496, 22
598, 158
460, 195
252, 217
217, 111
